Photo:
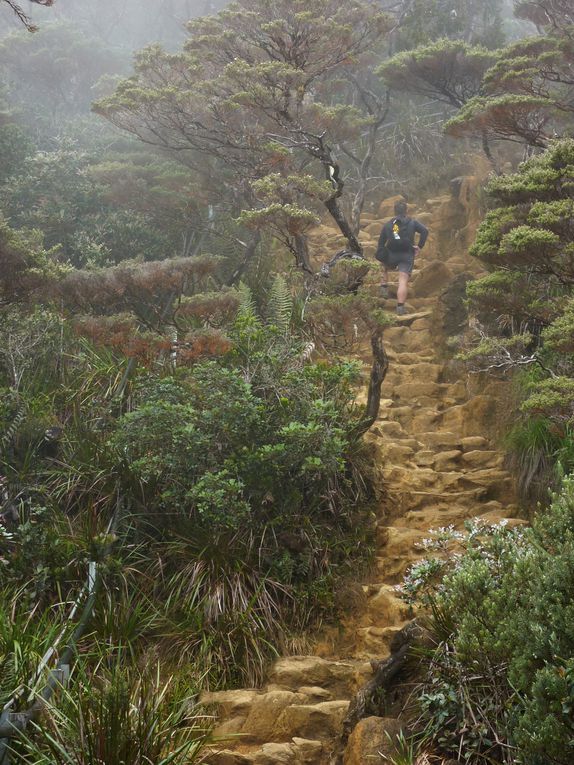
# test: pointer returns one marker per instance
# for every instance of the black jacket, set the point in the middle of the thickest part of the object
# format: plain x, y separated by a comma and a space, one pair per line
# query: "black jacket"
387, 235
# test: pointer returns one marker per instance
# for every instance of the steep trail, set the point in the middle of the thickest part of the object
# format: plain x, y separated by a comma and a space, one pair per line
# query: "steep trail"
439, 468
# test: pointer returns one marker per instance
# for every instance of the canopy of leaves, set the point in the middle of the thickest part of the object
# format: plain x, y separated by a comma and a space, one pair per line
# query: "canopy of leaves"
476, 22
251, 91
449, 71
526, 96
102, 212
523, 307
50, 88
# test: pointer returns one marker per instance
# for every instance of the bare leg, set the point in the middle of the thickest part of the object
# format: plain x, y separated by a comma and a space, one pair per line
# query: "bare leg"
385, 276
403, 289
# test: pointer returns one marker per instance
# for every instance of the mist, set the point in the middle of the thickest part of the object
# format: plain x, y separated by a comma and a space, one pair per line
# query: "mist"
123, 24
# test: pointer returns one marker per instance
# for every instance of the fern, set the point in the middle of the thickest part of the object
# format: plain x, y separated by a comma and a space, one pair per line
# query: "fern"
12, 429
280, 305
247, 308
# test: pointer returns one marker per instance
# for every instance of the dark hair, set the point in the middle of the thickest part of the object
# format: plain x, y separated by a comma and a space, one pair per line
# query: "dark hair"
400, 208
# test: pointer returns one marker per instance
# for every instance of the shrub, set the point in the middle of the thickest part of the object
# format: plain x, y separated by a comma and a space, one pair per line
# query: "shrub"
247, 499
498, 685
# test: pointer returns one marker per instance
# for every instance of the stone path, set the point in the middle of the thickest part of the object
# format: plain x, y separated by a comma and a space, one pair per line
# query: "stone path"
439, 469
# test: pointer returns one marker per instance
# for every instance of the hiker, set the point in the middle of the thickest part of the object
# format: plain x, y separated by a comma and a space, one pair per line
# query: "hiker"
397, 251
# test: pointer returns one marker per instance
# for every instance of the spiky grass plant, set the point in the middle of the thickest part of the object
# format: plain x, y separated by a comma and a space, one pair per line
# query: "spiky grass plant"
26, 634
117, 716
536, 448
220, 610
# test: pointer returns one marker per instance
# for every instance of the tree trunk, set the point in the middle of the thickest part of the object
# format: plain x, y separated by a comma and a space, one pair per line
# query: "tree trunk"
488, 153
345, 227
301, 247
370, 698
379, 371
250, 250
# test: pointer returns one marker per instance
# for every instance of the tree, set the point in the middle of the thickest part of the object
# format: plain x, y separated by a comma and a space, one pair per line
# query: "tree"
526, 96
448, 71
101, 210
252, 90
25, 266
553, 15
160, 311
524, 305
15, 143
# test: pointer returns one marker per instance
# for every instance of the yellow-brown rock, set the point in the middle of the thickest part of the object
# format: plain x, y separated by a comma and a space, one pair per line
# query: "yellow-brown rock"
374, 740
293, 672
433, 278
387, 206
265, 711
313, 721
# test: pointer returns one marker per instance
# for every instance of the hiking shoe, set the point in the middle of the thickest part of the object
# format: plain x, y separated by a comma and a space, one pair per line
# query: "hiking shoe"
401, 310
384, 291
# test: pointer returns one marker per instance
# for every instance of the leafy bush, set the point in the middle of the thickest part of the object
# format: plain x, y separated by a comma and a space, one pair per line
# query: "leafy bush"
245, 485
498, 685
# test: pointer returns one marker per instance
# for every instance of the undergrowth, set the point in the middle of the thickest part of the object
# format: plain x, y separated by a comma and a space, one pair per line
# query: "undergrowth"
497, 686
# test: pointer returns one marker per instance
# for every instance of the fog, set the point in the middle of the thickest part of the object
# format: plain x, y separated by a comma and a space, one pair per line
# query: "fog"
125, 24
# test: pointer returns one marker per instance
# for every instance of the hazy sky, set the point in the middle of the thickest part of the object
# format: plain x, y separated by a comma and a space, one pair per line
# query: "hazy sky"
126, 23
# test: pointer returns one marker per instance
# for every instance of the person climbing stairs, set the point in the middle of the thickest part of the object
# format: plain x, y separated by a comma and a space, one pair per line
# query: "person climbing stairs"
440, 467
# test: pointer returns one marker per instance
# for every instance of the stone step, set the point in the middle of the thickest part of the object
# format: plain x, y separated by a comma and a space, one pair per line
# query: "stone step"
298, 751
311, 721
340, 678
258, 717
385, 607
374, 642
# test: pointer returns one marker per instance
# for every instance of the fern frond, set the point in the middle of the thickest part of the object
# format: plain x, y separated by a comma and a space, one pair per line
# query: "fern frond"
247, 308
280, 305
12, 429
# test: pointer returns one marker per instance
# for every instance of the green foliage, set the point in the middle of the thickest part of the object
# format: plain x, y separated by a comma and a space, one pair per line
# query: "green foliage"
25, 636
239, 480
25, 264
249, 463
508, 117
101, 213
502, 677
39, 556
15, 142
280, 304
117, 715
230, 451
526, 95
449, 71
523, 306
553, 397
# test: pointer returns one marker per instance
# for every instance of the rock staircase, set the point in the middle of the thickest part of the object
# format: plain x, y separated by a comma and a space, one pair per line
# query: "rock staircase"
439, 468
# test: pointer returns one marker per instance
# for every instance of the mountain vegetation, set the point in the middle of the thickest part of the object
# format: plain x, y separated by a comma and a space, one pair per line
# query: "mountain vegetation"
186, 490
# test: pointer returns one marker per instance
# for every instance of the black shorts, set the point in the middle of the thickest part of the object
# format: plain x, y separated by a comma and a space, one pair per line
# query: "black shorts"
398, 261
